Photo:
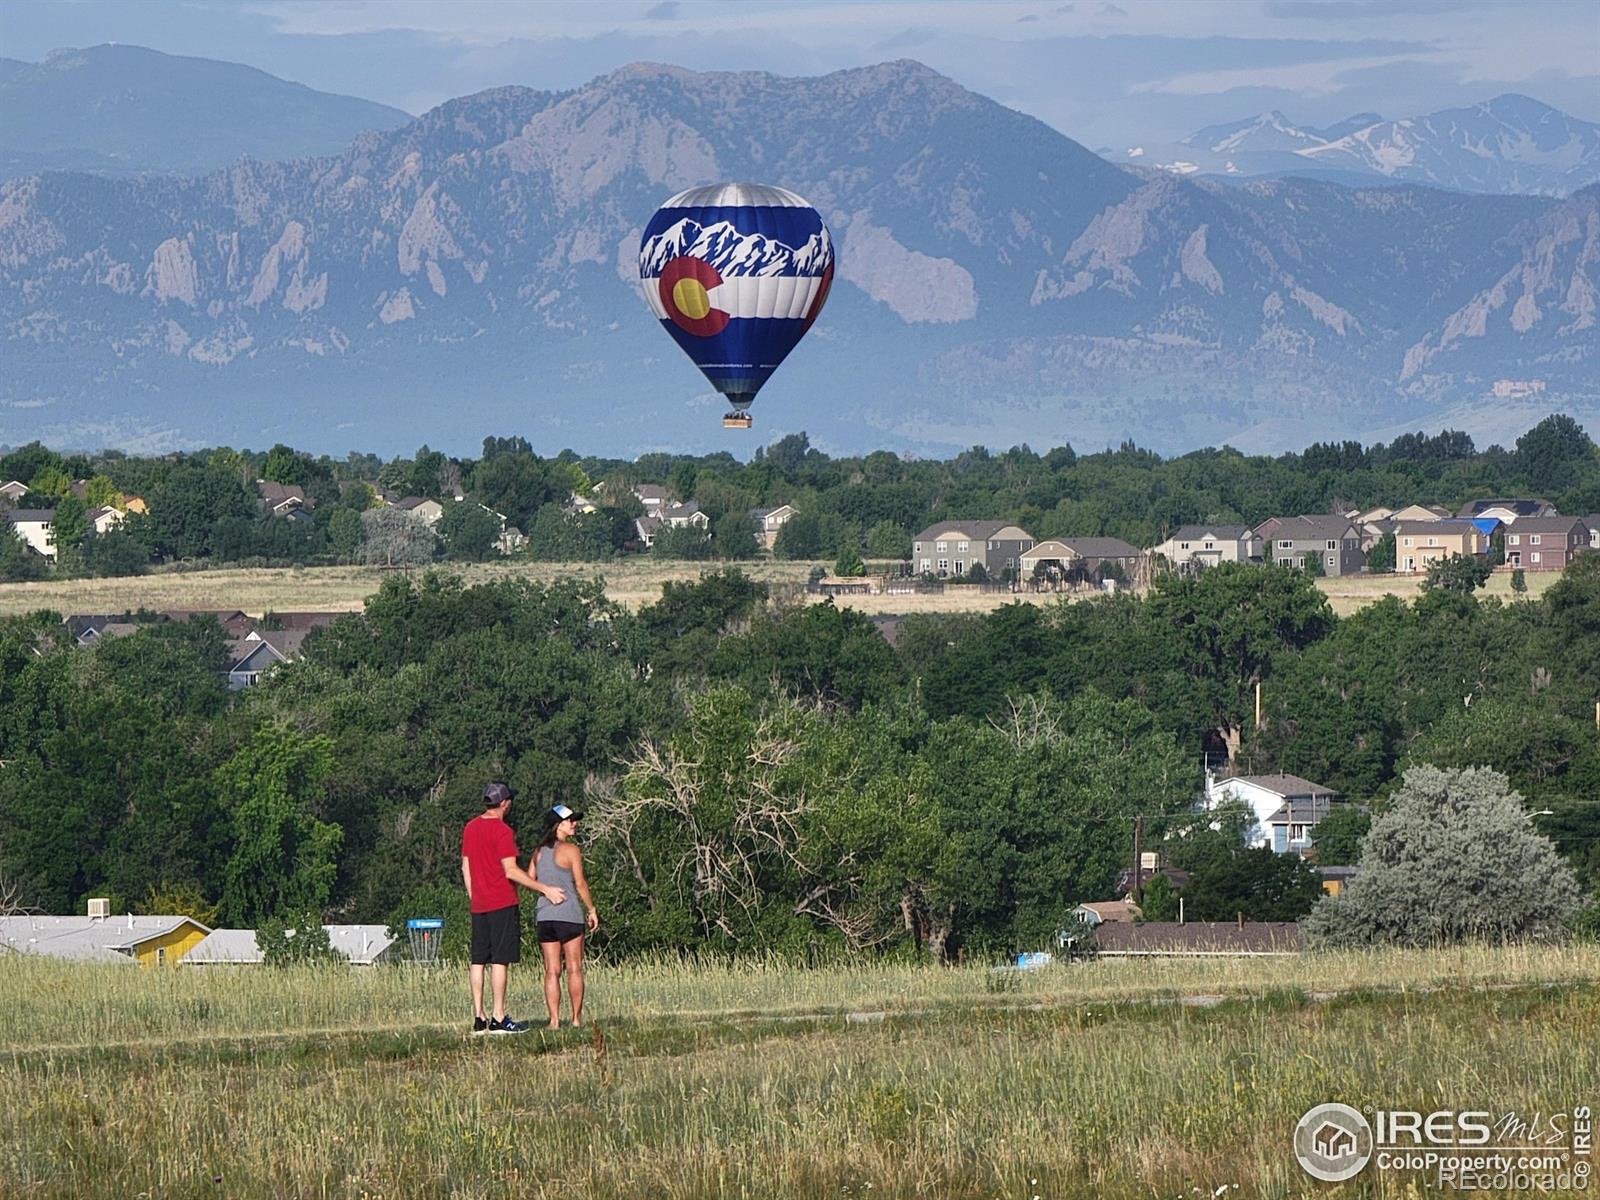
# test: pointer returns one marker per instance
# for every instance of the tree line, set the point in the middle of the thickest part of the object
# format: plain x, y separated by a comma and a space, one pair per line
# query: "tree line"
205, 506
765, 777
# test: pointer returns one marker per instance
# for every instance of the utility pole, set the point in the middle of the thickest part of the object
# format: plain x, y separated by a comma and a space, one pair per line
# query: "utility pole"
1258, 707
1138, 858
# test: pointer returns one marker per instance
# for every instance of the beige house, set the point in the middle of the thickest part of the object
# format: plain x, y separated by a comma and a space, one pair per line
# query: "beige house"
104, 519
425, 510
1206, 545
1064, 558
769, 520
35, 527
1418, 543
1420, 512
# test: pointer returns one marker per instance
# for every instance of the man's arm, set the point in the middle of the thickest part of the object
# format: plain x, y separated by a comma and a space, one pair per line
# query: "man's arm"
466, 873
517, 875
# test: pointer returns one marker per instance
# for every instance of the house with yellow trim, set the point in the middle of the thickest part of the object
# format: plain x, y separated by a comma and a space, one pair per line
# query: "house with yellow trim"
148, 941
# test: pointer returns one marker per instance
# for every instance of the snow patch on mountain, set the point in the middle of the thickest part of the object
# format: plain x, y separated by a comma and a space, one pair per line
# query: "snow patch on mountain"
733, 253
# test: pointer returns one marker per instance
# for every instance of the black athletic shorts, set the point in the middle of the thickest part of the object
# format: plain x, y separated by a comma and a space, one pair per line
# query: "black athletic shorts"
497, 936
560, 931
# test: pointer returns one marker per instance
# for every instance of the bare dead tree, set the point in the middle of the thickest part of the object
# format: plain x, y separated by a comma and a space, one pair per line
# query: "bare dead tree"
1030, 721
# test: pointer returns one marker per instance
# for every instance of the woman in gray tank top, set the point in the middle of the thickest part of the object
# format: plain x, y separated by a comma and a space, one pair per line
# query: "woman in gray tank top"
562, 927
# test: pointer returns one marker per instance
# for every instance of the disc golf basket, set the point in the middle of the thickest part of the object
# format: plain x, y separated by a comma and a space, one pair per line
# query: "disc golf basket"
426, 934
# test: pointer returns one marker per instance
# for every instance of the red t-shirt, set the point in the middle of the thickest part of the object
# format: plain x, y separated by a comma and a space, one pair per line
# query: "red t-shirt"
484, 843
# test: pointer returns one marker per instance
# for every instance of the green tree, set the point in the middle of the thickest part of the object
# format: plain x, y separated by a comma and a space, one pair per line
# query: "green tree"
101, 492
1454, 858
888, 539
1457, 573
1553, 454
470, 531
298, 940
344, 531
1313, 564
286, 465
1519, 582
734, 536
692, 542
1338, 835
282, 863
1381, 559
70, 523
800, 538
1228, 879
51, 481
392, 538
849, 563
18, 561
1160, 901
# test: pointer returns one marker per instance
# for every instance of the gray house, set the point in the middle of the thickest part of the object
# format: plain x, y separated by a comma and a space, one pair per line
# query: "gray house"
1196, 546
1335, 540
955, 547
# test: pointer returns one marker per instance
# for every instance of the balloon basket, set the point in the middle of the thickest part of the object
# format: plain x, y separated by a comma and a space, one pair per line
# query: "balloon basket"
737, 420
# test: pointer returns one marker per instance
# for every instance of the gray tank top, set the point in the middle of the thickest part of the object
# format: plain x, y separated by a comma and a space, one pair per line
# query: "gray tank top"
546, 870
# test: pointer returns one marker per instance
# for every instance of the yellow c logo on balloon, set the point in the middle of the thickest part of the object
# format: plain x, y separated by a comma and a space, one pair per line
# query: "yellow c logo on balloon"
689, 295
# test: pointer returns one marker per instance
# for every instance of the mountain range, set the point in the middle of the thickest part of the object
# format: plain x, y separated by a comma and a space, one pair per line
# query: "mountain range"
476, 271
1511, 144
123, 110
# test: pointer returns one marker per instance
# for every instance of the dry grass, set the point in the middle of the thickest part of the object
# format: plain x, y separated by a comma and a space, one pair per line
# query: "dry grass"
632, 583
344, 1088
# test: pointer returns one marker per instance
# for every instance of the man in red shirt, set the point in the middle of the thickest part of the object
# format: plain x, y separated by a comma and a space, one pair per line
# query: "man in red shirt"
489, 869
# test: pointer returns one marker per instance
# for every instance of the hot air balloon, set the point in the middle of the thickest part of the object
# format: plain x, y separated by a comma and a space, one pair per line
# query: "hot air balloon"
736, 273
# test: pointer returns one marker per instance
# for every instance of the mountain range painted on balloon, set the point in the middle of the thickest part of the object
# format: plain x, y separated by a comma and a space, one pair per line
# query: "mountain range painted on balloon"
733, 253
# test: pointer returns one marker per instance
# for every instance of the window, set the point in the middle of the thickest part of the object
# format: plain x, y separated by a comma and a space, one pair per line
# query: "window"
1533, 539
942, 547
1433, 541
1209, 546
1535, 556
1280, 838
944, 566
161, 956
961, 567
961, 547
1333, 545
1011, 564
916, 547
1333, 560
1285, 545
1184, 545
1407, 541
926, 564
1515, 539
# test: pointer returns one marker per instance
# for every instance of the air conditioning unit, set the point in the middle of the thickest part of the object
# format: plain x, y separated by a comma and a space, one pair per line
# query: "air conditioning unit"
100, 909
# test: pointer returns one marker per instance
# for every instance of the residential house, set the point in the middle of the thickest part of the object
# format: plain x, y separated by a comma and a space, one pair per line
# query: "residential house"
1592, 521
284, 499
680, 515
12, 492
1336, 878
1335, 541
1508, 512
1080, 558
422, 508
100, 937
769, 520
1290, 828
301, 620
104, 519
576, 505
955, 547
259, 652
234, 622
1420, 512
1545, 543
1266, 795
1418, 543
362, 945
1100, 912
1196, 546
35, 527
653, 496
646, 528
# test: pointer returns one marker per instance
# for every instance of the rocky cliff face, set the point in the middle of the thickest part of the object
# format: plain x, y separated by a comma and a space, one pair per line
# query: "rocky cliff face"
474, 271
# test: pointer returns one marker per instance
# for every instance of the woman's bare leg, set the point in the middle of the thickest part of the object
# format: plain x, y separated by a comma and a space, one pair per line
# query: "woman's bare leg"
552, 980
573, 953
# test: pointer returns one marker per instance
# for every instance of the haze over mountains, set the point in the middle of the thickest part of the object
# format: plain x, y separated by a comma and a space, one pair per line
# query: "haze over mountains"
1509, 144
124, 109
474, 271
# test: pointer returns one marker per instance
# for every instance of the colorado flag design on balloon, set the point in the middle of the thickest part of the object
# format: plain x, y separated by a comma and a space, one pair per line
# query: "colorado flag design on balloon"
736, 273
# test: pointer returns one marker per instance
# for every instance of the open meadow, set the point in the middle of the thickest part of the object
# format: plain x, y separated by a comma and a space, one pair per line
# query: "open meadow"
632, 583
1092, 1079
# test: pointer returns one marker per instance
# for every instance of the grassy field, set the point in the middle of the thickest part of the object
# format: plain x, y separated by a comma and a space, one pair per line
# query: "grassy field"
632, 583
1100, 1079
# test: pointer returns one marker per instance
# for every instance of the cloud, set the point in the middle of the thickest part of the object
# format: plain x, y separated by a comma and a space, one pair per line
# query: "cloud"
667, 10
906, 39
1108, 9
1356, 10
1028, 18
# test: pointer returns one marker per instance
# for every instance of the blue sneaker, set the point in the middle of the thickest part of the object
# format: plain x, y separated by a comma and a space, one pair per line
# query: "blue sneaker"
507, 1025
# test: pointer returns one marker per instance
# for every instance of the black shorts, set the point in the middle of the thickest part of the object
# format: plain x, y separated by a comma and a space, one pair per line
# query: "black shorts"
560, 931
497, 936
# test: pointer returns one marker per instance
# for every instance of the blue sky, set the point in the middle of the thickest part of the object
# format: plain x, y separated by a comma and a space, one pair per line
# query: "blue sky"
1107, 72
